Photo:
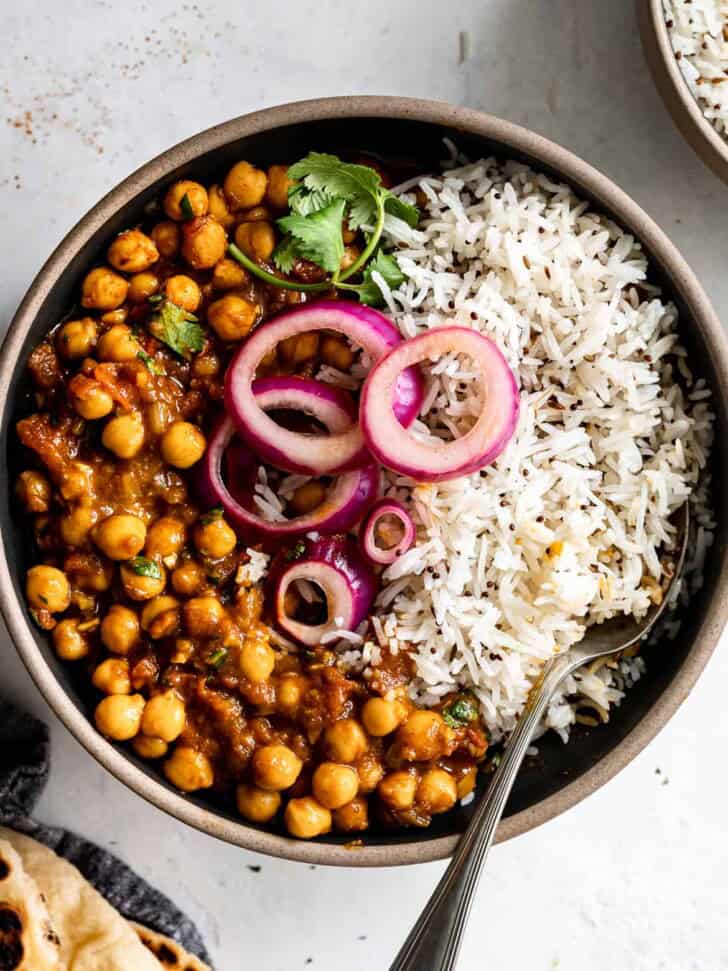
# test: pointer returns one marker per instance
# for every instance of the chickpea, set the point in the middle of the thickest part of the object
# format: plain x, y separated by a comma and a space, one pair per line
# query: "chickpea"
188, 579
228, 275
70, 643
276, 767
120, 536
166, 237
150, 748
336, 352
423, 737
75, 526
155, 608
124, 435
348, 235
278, 185
290, 691
245, 186
118, 344
47, 588
397, 790
164, 716
352, 818
351, 255
196, 197
76, 481
34, 491
112, 676
299, 349
345, 741
76, 338
119, 716
334, 785
189, 770
132, 251
142, 286
232, 317
305, 818
115, 316
140, 586
437, 791
370, 771
257, 659
204, 242
120, 629
256, 804
183, 291
466, 783
204, 616
218, 207
165, 537
307, 497
214, 538
256, 214
91, 400
380, 717
182, 444
257, 240
206, 364
102, 289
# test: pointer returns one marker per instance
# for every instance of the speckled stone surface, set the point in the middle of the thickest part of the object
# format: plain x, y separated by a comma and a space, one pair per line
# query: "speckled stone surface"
635, 878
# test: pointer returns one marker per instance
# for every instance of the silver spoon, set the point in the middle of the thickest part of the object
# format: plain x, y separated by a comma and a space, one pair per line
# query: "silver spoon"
434, 941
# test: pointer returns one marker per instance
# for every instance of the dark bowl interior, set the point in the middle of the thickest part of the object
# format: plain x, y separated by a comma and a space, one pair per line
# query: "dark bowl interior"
409, 145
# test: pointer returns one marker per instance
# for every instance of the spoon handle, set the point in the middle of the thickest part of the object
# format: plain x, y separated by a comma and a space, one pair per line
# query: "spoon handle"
434, 941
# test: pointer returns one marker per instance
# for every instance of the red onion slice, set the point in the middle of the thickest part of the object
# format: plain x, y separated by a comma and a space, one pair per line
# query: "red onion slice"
338, 451
373, 528
341, 509
396, 448
332, 406
347, 581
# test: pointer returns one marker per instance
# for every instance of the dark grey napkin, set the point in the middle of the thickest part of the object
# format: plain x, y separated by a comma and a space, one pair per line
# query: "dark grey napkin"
24, 766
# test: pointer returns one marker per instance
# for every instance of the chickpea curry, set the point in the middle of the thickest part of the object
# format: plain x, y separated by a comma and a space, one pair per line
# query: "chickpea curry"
197, 617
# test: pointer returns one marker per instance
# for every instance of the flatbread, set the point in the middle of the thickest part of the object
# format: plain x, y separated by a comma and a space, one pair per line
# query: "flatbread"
168, 953
93, 936
28, 940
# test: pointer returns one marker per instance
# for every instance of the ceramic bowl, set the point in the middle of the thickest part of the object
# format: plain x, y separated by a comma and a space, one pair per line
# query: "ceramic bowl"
679, 99
397, 130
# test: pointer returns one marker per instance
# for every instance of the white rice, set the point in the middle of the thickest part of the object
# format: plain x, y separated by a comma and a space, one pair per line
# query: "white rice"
566, 528
699, 36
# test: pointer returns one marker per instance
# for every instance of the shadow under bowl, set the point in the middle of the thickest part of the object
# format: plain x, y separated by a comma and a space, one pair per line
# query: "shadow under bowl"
402, 132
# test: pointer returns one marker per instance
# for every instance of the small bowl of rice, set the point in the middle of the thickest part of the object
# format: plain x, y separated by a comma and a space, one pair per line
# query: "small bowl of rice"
686, 45
621, 369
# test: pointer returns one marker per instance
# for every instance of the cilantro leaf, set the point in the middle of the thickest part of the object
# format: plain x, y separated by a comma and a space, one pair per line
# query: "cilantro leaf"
178, 329
284, 255
150, 362
318, 236
211, 515
144, 567
459, 712
295, 552
358, 185
386, 265
304, 201
401, 209
217, 658
186, 209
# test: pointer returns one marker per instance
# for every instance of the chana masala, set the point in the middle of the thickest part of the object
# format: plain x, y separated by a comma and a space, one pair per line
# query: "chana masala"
213, 631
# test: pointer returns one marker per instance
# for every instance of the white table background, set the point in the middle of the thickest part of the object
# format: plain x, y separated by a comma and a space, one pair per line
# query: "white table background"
637, 876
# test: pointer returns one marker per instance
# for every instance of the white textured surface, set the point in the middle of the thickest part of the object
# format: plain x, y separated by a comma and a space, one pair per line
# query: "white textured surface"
634, 879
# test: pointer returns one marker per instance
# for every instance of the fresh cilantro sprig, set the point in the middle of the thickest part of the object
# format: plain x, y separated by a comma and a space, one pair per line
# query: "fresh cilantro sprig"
326, 193
177, 328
